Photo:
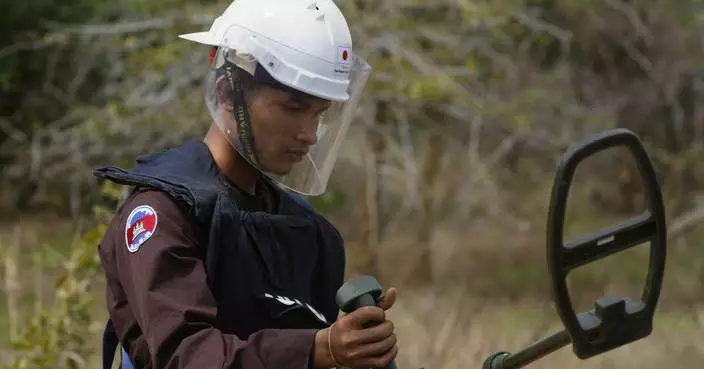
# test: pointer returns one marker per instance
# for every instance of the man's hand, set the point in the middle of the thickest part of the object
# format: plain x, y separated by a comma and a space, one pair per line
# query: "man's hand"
354, 341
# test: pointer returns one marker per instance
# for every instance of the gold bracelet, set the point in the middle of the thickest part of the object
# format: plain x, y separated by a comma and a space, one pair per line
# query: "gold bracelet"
332, 356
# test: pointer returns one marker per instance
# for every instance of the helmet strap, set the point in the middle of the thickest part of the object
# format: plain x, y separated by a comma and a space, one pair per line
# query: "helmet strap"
244, 124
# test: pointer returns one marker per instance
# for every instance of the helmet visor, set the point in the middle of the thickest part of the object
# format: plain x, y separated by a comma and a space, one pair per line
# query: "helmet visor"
267, 135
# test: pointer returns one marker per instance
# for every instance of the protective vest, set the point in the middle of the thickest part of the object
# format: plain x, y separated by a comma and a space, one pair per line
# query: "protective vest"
265, 270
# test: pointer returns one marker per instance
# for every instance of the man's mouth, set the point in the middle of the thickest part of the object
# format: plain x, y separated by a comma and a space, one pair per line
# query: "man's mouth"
297, 154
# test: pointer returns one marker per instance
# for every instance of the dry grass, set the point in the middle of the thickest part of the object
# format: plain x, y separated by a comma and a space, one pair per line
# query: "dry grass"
460, 332
489, 293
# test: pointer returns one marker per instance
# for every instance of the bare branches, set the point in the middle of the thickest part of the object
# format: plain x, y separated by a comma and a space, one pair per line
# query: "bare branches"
122, 117
631, 14
686, 223
541, 26
128, 27
482, 64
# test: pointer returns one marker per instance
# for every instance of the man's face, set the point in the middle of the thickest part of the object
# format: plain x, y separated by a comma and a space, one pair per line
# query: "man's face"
284, 126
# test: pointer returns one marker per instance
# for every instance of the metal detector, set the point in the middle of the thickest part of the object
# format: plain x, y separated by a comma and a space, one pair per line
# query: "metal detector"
615, 320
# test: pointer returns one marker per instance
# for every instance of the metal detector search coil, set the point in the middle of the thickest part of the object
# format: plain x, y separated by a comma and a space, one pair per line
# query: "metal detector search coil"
615, 321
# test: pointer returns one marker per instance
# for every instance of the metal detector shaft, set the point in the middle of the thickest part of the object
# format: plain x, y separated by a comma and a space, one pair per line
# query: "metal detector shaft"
544, 347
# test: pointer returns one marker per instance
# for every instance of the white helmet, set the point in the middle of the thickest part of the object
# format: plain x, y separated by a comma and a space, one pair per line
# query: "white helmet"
300, 45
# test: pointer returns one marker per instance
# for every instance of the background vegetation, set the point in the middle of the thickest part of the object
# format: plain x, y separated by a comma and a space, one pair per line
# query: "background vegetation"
443, 185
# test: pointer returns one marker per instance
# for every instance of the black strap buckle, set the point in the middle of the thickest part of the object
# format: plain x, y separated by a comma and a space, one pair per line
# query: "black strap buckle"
615, 321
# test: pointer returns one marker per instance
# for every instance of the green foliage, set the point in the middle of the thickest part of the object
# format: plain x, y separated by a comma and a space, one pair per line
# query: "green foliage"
60, 336
25, 29
63, 336
329, 202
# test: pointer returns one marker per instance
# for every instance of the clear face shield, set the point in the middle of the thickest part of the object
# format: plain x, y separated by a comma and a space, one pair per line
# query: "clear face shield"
266, 138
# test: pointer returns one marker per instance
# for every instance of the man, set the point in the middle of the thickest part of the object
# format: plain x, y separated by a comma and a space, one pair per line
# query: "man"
210, 263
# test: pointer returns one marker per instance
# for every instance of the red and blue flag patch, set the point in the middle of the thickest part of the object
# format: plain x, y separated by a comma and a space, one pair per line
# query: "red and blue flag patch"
140, 226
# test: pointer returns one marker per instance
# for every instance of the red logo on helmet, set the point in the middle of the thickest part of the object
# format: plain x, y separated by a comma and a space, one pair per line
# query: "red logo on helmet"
343, 54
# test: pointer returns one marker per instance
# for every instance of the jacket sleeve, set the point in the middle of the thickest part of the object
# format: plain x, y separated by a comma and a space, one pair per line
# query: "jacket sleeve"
164, 282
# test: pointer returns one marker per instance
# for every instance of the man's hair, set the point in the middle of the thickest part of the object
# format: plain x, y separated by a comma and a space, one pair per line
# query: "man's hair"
250, 83
224, 88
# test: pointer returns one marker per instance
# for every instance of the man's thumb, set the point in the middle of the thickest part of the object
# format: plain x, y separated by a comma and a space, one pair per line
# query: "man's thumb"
387, 300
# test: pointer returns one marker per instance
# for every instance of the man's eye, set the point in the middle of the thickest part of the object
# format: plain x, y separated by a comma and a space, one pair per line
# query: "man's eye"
293, 107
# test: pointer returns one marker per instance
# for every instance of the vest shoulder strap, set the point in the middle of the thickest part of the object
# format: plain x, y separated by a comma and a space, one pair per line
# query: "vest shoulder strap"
110, 344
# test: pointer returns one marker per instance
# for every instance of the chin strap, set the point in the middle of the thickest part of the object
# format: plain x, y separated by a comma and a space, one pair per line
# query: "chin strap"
244, 124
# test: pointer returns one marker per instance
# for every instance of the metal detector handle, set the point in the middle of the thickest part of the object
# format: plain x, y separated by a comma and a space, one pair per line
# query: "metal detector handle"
615, 321
357, 292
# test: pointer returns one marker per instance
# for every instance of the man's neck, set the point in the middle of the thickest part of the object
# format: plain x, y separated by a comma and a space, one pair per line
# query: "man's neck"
232, 166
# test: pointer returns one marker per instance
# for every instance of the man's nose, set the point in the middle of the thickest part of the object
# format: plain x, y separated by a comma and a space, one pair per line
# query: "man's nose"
309, 134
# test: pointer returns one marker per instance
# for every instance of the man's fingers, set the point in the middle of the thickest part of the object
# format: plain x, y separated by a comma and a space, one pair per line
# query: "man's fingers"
377, 347
365, 314
375, 333
382, 361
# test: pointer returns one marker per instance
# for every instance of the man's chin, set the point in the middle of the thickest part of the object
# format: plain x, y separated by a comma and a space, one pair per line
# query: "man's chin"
281, 171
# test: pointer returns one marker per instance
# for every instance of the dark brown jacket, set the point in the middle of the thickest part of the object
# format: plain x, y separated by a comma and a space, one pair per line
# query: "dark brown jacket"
161, 306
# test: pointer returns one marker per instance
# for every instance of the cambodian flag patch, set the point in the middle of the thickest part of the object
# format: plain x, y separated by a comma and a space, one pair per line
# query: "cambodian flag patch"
141, 225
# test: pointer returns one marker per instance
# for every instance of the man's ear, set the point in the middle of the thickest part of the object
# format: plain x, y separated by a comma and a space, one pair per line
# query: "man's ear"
224, 93
211, 56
